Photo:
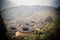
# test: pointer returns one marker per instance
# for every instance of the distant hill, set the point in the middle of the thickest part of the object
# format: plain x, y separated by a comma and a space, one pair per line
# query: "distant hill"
34, 7
15, 12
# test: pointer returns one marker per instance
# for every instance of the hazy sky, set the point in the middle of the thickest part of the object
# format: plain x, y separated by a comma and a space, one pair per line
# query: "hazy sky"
12, 3
33, 2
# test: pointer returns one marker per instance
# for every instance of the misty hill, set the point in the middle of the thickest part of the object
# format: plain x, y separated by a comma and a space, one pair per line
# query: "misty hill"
34, 7
26, 11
